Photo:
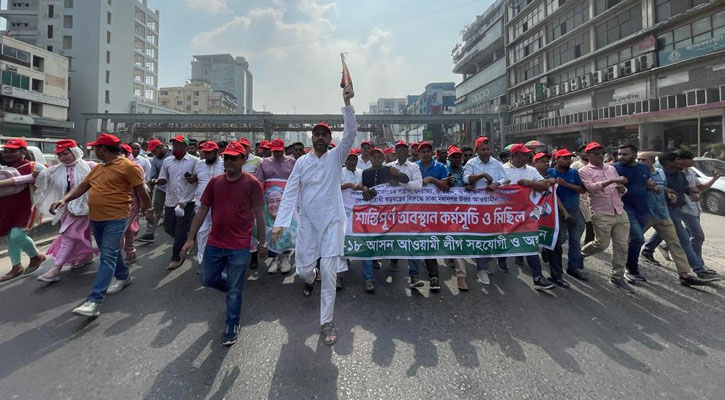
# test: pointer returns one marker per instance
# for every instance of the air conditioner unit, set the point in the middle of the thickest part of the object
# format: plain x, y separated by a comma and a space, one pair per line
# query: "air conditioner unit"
599, 77
612, 72
11, 67
557, 90
586, 80
530, 99
565, 87
629, 67
574, 84
646, 61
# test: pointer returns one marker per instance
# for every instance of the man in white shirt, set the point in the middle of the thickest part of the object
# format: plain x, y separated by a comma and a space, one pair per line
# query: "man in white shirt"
208, 167
363, 161
412, 170
140, 159
179, 202
315, 185
520, 173
485, 172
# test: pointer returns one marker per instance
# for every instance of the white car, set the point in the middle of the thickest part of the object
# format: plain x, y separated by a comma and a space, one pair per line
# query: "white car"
713, 199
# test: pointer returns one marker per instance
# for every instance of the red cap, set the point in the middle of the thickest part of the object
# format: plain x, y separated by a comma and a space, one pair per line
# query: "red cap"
593, 145
332, 144
562, 153
425, 144
105, 139
277, 145
244, 141
153, 144
481, 140
180, 139
453, 149
265, 144
354, 152
16, 144
126, 148
234, 149
208, 146
519, 148
389, 150
402, 143
376, 150
414, 145
322, 125
541, 155
366, 142
63, 145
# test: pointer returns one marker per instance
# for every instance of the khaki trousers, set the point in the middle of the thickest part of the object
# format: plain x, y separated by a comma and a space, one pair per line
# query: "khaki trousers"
614, 229
666, 229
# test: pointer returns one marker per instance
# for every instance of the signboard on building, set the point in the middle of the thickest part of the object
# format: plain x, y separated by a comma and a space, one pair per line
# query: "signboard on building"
712, 45
482, 95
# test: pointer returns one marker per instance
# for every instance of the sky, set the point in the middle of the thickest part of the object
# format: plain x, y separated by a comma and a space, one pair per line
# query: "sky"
393, 47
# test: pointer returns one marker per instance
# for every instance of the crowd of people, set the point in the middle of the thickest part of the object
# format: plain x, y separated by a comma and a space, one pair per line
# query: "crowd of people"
211, 199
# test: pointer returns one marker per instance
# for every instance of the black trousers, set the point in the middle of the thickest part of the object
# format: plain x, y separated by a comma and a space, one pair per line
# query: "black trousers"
178, 227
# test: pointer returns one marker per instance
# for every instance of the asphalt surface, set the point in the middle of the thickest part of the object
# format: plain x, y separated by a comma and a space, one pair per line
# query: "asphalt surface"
160, 338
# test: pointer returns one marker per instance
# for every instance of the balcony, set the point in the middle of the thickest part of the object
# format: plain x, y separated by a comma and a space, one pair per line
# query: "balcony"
33, 96
479, 53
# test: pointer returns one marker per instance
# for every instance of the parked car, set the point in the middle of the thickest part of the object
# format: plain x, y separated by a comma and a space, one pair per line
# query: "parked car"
35, 155
713, 200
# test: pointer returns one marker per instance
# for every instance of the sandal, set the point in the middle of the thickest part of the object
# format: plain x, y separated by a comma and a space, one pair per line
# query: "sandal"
309, 287
329, 334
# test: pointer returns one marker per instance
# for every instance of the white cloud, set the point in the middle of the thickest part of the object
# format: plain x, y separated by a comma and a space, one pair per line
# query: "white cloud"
210, 6
294, 57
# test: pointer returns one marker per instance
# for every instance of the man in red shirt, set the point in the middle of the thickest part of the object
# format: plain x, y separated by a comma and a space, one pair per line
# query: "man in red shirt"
236, 200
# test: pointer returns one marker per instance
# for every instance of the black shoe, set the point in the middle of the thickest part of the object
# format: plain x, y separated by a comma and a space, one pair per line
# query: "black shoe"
577, 274
519, 261
415, 282
650, 259
338, 284
147, 238
230, 335
542, 283
254, 262
435, 284
560, 282
707, 273
377, 265
620, 283
634, 277
394, 265
693, 281
503, 267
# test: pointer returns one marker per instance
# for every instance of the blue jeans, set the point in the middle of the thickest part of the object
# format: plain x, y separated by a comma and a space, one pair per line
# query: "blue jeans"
683, 235
108, 236
482, 263
430, 264
697, 235
215, 261
574, 236
556, 264
367, 270
637, 224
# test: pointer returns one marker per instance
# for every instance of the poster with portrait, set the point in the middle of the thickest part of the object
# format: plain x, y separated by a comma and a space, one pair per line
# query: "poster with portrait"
273, 189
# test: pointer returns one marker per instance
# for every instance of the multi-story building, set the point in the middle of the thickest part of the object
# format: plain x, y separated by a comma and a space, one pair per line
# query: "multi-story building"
480, 59
34, 95
437, 98
111, 46
226, 72
645, 71
197, 97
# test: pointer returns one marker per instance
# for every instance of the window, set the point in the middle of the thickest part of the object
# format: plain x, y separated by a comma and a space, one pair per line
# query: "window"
138, 60
527, 22
67, 42
37, 85
196, 103
149, 94
68, 21
108, 76
50, 31
527, 46
68, 3
196, 93
108, 57
179, 102
51, 11
696, 32
14, 79
108, 37
22, 57
665, 9
108, 97
528, 70
619, 27
604, 5
149, 80
50, 48
39, 63
108, 18
151, 66
151, 53
569, 50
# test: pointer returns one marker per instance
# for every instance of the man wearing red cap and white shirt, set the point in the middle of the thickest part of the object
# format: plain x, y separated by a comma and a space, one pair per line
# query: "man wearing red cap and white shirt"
278, 166
236, 200
16, 211
389, 155
158, 152
519, 172
208, 167
315, 186
363, 161
253, 161
611, 224
179, 203
109, 205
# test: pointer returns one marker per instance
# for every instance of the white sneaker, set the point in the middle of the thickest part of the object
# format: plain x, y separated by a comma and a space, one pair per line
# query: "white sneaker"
273, 267
118, 285
483, 278
284, 264
88, 309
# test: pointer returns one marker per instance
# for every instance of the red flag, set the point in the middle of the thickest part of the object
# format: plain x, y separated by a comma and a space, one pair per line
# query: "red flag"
346, 80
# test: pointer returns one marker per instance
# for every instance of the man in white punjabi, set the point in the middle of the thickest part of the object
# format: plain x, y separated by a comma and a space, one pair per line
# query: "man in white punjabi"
314, 185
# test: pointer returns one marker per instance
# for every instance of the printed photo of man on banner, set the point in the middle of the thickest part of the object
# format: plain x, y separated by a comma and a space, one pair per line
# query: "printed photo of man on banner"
273, 190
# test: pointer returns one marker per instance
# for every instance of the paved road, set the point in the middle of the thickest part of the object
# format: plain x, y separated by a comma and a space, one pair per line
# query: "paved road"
160, 338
